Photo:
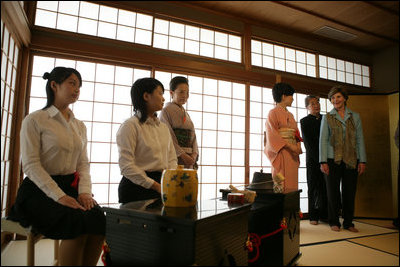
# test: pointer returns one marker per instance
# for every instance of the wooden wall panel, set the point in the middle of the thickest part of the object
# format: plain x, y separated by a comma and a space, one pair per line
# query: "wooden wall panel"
374, 189
394, 151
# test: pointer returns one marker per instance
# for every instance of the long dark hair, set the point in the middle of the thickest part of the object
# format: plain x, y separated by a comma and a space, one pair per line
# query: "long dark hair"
59, 75
139, 87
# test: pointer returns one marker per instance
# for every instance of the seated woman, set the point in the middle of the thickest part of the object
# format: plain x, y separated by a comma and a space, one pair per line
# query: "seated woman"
144, 143
283, 137
56, 197
179, 123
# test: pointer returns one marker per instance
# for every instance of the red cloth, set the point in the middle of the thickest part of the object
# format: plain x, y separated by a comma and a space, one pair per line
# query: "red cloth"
75, 182
297, 136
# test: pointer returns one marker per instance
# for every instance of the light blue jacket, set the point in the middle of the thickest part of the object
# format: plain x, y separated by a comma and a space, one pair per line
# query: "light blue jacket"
326, 149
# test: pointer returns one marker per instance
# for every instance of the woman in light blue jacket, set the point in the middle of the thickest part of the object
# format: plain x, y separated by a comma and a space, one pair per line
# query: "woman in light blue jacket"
342, 157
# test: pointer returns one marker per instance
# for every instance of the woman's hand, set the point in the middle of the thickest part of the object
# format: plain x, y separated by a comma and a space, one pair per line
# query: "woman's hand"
188, 160
361, 168
325, 168
86, 200
156, 187
70, 202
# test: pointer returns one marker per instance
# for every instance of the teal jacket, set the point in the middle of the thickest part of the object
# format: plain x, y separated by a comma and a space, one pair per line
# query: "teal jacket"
326, 149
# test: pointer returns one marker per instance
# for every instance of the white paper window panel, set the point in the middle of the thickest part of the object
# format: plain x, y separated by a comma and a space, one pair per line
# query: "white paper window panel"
100, 152
300, 56
221, 52
256, 141
267, 49
207, 36
209, 121
255, 93
87, 26
48, 5
256, 109
224, 139
279, 51
255, 125
209, 138
192, 33
235, 42
238, 124
176, 29
256, 59
67, 23
224, 105
126, 34
255, 46
45, 18
192, 47
224, 88
206, 50
161, 26
255, 158
235, 55
195, 101
224, 174
225, 123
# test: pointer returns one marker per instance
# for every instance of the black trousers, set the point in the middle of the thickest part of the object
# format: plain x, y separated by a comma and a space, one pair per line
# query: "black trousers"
317, 195
128, 191
339, 173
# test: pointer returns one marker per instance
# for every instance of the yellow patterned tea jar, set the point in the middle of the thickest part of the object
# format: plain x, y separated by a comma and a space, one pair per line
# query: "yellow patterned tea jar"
179, 187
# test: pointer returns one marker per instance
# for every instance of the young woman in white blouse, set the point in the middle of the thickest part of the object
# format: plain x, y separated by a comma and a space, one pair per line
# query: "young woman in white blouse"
144, 143
56, 198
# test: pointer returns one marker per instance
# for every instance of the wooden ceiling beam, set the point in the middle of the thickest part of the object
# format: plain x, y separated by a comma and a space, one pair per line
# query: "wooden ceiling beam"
312, 13
380, 7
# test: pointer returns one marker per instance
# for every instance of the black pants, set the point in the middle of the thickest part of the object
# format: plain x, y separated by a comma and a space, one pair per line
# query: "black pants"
317, 196
339, 173
128, 191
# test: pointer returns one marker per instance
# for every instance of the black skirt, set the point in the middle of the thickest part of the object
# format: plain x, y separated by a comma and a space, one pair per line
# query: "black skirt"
128, 191
51, 219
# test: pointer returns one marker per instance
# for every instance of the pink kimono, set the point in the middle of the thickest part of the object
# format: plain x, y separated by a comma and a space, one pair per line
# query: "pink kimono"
282, 159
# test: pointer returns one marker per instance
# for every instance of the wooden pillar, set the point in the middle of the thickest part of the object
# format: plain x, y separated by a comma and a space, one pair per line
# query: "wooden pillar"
247, 64
278, 78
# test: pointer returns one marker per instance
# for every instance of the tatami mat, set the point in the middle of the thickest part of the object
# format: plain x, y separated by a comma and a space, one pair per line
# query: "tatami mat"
377, 222
15, 253
337, 254
387, 243
310, 234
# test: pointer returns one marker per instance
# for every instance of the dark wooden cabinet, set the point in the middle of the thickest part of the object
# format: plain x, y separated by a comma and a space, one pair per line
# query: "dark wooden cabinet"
143, 233
266, 215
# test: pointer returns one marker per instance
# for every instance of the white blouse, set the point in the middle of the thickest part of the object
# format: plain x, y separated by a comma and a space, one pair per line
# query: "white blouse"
144, 147
52, 146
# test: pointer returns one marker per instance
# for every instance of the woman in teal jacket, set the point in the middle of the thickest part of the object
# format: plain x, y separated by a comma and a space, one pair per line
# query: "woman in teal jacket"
342, 157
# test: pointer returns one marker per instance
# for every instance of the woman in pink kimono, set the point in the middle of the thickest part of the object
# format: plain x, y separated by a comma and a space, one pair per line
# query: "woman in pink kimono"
283, 137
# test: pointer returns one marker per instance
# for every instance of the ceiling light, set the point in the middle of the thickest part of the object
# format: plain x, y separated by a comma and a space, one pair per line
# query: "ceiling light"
336, 34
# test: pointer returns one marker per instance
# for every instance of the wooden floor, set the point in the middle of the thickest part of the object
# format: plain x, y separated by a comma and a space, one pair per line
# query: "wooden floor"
374, 245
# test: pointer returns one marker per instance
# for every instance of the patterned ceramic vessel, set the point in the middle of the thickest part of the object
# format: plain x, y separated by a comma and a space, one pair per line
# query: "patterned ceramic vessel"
179, 187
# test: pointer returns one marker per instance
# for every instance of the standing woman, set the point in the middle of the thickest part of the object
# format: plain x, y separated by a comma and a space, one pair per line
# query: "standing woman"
144, 143
56, 197
179, 123
282, 137
342, 157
